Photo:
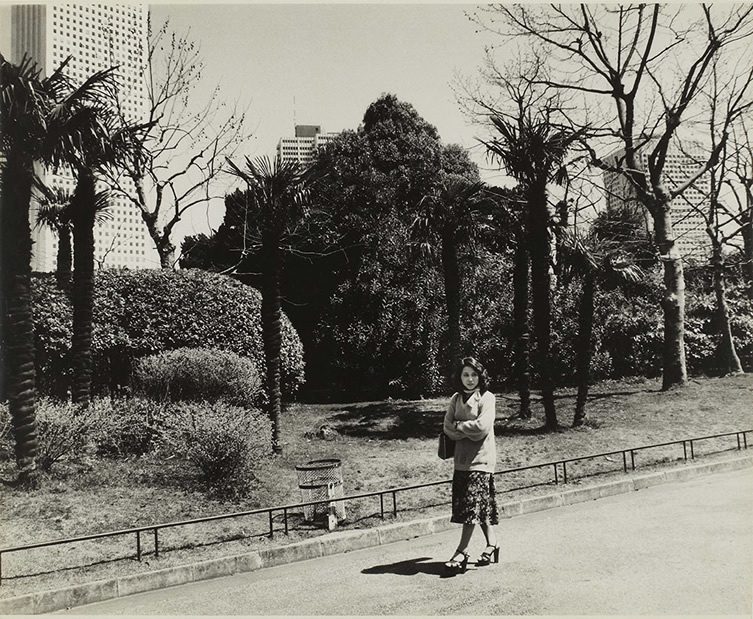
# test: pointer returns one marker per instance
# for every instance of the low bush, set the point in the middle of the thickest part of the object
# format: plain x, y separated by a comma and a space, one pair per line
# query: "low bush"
224, 442
129, 426
199, 374
6, 446
64, 430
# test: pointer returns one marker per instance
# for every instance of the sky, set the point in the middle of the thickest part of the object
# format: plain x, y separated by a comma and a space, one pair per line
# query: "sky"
323, 64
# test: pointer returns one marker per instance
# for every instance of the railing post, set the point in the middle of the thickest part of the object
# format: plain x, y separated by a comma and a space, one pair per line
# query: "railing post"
285, 516
624, 460
381, 505
156, 542
692, 452
394, 503
1, 569
271, 526
564, 472
632, 459
737, 436
685, 450
556, 478
138, 545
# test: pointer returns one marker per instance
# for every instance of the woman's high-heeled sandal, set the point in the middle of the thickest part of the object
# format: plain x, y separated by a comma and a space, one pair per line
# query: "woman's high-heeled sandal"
454, 566
490, 555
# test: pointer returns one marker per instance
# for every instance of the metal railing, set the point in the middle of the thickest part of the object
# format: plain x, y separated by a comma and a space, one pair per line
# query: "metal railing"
154, 529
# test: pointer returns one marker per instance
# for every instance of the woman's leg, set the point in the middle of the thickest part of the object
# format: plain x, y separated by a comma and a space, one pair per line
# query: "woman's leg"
465, 537
490, 534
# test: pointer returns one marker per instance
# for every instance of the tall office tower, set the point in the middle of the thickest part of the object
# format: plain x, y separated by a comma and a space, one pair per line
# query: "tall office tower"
687, 221
302, 147
96, 37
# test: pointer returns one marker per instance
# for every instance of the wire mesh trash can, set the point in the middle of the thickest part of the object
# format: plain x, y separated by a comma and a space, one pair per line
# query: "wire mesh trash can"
318, 480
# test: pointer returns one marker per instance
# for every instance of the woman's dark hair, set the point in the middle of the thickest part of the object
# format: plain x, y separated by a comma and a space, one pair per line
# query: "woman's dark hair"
472, 362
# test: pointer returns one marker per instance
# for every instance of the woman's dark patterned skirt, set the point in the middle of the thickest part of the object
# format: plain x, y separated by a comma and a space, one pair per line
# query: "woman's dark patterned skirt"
473, 498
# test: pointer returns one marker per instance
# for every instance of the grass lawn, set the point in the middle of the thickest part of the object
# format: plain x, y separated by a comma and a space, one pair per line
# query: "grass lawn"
381, 445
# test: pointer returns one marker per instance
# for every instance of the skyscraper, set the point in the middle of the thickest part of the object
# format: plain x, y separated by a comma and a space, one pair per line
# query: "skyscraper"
687, 220
96, 36
302, 147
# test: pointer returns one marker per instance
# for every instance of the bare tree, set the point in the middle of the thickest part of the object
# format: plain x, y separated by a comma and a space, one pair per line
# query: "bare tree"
722, 223
633, 74
177, 156
741, 185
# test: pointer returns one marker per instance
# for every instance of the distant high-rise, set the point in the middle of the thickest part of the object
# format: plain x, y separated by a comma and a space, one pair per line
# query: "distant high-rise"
96, 36
302, 147
687, 221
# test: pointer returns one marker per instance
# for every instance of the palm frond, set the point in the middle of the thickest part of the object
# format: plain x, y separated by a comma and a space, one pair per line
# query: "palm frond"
102, 206
279, 191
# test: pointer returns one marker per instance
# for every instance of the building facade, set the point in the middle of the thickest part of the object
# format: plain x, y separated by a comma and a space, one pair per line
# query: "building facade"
302, 147
96, 37
688, 222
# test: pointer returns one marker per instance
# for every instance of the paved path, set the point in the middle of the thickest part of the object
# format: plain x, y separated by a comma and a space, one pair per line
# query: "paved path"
680, 548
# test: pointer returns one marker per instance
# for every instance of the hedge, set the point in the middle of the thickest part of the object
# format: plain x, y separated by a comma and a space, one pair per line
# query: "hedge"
145, 312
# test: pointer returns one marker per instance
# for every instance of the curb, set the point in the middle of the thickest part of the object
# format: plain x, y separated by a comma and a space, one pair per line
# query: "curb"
334, 543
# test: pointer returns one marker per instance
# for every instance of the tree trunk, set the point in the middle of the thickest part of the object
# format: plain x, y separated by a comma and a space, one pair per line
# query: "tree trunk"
747, 233
538, 235
166, 251
19, 375
83, 211
63, 269
584, 350
729, 362
521, 327
271, 332
452, 299
673, 302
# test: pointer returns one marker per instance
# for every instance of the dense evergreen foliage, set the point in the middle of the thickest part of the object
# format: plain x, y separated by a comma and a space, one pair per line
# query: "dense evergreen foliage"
138, 313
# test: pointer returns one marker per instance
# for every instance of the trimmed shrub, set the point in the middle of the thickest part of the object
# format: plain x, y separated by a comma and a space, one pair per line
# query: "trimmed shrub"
224, 442
51, 310
197, 374
145, 312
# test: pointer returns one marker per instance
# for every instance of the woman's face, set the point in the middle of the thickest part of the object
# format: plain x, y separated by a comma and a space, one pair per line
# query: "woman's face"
469, 378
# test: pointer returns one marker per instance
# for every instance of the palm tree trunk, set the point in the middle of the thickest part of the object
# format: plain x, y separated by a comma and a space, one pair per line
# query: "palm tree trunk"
521, 327
271, 332
83, 209
583, 354
729, 360
19, 375
452, 299
538, 235
65, 252
673, 303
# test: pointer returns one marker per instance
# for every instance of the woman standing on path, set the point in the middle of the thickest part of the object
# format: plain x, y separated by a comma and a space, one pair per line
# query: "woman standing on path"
469, 421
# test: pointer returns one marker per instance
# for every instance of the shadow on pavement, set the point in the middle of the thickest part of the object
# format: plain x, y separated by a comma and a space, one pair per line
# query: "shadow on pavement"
410, 567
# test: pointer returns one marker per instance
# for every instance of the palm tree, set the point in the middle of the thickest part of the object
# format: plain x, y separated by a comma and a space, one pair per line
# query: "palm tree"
277, 199
34, 130
533, 152
30, 106
578, 258
102, 146
447, 219
54, 212
521, 326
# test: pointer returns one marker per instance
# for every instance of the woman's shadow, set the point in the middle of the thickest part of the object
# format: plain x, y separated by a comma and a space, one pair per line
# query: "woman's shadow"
411, 567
